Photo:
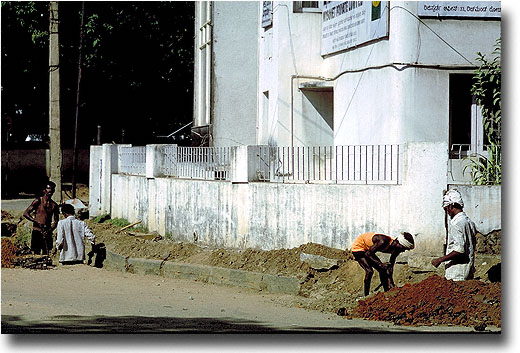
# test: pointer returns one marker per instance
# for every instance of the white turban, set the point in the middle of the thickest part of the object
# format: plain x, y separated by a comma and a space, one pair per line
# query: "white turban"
451, 197
404, 242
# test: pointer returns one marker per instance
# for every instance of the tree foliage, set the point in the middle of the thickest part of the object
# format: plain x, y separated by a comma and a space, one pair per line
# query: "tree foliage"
136, 77
487, 90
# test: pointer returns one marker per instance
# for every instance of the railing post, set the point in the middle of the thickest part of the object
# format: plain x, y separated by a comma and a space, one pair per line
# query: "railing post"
108, 164
244, 164
155, 160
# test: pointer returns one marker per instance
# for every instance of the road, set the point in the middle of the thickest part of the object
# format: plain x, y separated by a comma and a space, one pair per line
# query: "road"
84, 299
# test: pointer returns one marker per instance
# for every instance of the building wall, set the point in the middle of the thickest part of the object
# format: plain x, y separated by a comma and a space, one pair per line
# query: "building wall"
276, 215
235, 75
379, 105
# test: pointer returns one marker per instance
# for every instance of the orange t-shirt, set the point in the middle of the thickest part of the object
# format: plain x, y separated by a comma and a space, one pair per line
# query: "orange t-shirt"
364, 241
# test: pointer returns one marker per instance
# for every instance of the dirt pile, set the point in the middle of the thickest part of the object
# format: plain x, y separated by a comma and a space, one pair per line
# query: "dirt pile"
490, 243
9, 251
436, 301
323, 290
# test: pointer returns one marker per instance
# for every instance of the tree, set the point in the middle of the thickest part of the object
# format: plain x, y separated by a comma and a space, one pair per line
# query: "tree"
487, 91
137, 73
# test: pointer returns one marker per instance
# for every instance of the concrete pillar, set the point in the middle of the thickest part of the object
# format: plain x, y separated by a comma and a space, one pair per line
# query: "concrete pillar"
95, 187
244, 161
104, 161
155, 160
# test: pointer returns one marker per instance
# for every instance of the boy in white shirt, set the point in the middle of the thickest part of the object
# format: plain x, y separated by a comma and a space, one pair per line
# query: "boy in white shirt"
71, 235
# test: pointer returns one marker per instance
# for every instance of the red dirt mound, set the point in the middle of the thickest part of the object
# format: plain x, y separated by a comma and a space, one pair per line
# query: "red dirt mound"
436, 301
8, 252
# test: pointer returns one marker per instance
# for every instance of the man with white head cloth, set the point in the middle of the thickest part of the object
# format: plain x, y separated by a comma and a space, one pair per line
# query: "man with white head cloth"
364, 249
460, 249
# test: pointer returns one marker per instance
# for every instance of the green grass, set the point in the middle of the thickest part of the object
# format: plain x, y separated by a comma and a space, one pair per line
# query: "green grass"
119, 222
23, 237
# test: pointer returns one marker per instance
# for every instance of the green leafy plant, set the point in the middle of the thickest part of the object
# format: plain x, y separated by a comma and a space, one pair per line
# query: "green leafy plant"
119, 222
487, 91
22, 239
486, 170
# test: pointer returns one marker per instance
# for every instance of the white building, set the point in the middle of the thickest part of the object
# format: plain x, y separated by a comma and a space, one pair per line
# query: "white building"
340, 73
360, 75
329, 73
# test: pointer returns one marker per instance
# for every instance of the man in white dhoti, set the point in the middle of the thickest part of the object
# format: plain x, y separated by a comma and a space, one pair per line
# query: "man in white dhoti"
460, 249
71, 235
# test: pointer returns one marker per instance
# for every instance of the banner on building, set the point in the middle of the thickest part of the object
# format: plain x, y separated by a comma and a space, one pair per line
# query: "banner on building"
459, 9
267, 13
347, 24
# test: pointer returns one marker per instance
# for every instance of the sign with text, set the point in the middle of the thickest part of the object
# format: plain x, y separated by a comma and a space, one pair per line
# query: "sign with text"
470, 9
347, 24
267, 13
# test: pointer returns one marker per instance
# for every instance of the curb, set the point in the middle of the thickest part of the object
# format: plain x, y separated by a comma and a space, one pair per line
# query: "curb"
214, 275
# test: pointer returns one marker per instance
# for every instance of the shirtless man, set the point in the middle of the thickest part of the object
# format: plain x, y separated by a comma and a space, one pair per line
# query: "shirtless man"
364, 250
44, 210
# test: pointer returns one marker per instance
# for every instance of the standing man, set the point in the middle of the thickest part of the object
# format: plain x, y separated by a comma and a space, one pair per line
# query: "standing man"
71, 235
364, 250
460, 250
44, 209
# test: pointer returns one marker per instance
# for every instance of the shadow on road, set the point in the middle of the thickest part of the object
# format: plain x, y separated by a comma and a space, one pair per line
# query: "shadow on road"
139, 324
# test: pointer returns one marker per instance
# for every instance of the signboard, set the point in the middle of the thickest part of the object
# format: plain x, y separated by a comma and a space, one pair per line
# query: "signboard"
267, 14
347, 24
469, 9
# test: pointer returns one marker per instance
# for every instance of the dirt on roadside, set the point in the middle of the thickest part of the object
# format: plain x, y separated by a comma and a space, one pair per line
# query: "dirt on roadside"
328, 290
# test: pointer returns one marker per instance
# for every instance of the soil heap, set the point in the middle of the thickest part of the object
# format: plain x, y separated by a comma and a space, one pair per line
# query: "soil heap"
436, 301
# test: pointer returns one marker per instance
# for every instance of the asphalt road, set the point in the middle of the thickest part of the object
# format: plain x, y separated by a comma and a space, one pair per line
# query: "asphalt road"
84, 299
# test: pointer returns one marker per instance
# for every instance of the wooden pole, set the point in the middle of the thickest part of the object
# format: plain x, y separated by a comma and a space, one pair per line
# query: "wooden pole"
54, 101
75, 151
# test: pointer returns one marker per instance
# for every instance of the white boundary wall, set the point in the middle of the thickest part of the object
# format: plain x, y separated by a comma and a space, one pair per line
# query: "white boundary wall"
276, 215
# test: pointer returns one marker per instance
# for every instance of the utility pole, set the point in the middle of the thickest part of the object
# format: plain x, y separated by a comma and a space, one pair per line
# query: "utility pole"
54, 101
75, 151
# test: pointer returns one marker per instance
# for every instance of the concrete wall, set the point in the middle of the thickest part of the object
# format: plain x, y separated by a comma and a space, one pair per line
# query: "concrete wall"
275, 215
25, 169
483, 205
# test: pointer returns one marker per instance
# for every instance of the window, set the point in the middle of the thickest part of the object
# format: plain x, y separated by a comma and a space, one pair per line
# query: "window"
203, 83
306, 6
317, 114
466, 129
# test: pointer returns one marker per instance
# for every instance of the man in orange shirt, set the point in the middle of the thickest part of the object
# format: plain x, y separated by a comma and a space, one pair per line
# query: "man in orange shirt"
364, 250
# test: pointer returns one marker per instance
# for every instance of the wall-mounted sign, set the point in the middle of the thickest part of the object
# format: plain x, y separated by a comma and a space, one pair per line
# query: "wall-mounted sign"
267, 13
459, 9
347, 24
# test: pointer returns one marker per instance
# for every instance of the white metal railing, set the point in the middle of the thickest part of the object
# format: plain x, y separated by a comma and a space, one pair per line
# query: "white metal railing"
356, 164
206, 163
133, 160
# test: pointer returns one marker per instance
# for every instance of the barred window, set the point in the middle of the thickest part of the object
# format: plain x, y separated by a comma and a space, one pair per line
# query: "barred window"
306, 6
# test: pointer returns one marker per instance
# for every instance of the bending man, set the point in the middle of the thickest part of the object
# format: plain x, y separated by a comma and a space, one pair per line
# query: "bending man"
364, 250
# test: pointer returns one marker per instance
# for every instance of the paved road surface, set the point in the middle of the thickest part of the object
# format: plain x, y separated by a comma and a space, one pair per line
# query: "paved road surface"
84, 299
